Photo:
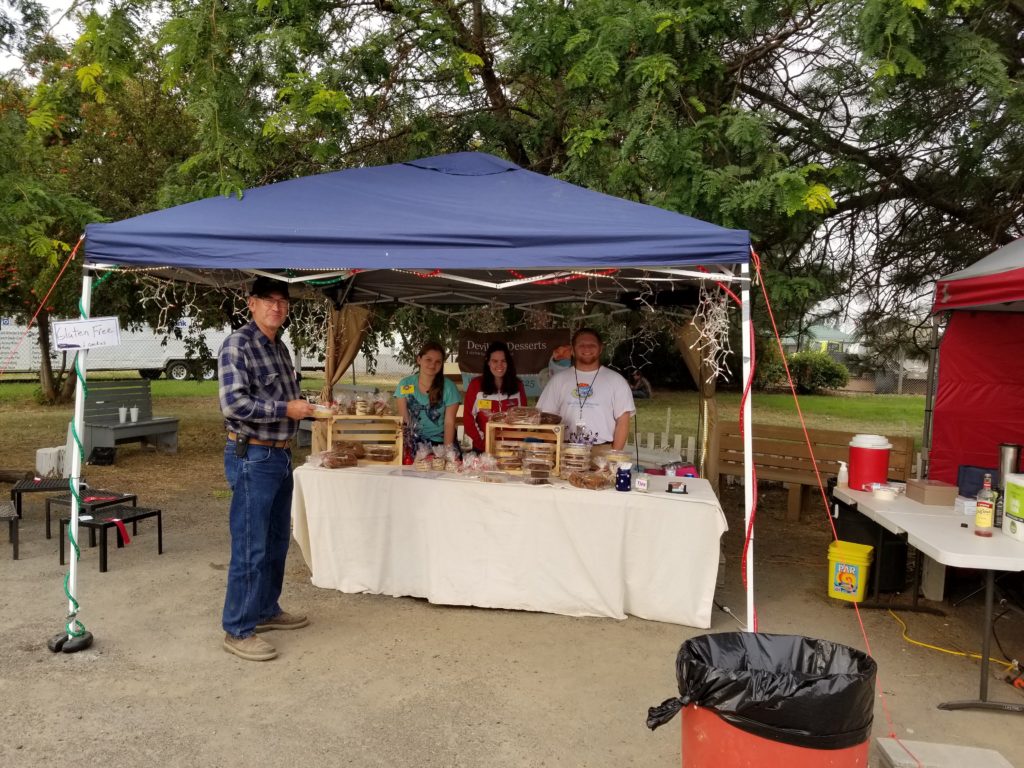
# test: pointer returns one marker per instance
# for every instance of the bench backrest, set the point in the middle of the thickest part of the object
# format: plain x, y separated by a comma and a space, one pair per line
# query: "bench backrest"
783, 451
105, 397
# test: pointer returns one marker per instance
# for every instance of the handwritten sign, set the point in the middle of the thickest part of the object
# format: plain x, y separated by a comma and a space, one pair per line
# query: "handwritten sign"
86, 334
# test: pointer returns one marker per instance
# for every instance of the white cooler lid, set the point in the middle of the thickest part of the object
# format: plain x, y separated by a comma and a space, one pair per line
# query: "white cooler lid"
870, 441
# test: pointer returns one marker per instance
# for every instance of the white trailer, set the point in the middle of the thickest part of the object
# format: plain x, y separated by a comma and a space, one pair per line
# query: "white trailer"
145, 351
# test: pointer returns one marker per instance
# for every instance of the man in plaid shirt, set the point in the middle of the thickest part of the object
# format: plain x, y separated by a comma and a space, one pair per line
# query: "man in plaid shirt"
259, 397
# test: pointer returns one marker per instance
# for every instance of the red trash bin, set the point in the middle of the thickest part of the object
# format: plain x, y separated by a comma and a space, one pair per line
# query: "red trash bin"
751, 699
711, 742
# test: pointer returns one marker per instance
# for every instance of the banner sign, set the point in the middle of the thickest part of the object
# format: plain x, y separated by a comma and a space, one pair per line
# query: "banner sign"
86, 334
533, 351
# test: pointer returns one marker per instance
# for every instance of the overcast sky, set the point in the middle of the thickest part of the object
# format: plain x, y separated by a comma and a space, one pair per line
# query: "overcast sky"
65, 28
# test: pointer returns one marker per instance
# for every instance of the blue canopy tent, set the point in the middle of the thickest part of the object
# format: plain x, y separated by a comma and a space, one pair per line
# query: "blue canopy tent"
465, 228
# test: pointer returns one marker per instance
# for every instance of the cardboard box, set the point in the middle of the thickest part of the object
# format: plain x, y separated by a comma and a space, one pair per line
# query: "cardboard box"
934, 493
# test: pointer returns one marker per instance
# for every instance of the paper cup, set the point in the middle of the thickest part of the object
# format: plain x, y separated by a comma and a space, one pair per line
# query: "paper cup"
134, 413
122, 414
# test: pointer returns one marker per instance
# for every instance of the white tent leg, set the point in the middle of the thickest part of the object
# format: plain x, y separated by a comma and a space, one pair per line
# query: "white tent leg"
76, 641
929, 398
748, 442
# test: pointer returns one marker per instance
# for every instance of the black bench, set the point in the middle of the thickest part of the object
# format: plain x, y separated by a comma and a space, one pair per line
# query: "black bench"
36, 485
108, 519
90, 501
103, 427
8, 513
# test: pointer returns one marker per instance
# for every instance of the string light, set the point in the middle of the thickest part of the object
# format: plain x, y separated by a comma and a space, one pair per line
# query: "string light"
573, 275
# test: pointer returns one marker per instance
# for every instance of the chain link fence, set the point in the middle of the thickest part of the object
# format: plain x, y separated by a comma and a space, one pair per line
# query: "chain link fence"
896, 374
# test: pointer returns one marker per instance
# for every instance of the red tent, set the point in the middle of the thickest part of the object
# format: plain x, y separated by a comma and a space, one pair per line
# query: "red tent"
979, 402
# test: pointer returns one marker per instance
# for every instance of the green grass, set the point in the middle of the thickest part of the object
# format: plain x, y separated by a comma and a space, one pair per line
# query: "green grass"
877, 414
14, 392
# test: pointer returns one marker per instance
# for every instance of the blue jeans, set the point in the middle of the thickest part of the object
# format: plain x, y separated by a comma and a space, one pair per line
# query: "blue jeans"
260, 522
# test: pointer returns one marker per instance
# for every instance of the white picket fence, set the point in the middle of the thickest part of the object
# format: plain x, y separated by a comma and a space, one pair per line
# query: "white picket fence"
664, 448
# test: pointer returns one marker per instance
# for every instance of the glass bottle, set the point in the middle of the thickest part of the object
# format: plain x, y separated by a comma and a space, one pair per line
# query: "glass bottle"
984, 513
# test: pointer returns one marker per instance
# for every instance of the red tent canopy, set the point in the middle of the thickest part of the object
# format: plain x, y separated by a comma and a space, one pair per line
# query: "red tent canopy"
979, 402
996, 283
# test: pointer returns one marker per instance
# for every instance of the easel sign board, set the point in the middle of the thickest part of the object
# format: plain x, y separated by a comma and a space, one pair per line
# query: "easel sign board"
86, 334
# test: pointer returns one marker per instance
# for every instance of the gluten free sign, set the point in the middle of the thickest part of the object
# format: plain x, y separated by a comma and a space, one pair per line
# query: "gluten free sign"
87, 334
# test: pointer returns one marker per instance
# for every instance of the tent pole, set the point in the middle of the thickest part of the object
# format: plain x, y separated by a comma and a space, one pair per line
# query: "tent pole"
748, 441
929, 397
74, 638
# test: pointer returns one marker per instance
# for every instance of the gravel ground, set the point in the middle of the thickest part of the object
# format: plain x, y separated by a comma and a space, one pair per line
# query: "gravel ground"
393, 682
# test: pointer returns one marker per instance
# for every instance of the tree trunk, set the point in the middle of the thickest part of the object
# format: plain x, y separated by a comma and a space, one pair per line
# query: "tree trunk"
46, 380
708, 441
67, 388
55, 386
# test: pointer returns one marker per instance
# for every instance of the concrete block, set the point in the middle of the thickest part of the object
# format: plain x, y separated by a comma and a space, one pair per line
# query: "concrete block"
892, 755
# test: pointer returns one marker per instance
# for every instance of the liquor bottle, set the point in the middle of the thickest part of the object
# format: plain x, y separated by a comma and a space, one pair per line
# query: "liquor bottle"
984, 513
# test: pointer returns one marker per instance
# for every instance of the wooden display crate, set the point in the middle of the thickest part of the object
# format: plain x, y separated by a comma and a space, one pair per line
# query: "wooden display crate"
368, 430
547, 433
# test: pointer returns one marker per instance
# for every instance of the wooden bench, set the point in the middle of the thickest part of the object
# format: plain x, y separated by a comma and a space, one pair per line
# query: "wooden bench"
780, 454
103, 427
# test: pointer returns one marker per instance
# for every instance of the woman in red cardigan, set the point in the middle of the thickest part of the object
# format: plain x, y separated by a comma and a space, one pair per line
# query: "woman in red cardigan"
498, 389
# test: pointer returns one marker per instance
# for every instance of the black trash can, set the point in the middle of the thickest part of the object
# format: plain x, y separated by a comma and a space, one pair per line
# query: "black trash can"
754, 698
890, 560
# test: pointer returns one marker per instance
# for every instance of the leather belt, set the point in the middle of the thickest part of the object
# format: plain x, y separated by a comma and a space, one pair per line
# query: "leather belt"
233, 437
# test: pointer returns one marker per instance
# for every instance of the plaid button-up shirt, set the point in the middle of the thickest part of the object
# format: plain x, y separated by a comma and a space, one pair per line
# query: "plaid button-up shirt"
257, 379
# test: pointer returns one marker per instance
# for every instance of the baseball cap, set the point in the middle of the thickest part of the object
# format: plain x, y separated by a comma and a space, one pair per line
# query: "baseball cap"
264, 286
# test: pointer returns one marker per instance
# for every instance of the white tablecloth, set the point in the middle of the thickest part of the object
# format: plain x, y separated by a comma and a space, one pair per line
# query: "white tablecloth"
556, 549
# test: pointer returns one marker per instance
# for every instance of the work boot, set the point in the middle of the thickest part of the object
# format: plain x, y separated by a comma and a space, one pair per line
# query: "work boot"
251, 648
283, 620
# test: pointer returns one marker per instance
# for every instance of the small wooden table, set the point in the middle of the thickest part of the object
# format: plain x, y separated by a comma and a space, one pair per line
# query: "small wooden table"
108, 519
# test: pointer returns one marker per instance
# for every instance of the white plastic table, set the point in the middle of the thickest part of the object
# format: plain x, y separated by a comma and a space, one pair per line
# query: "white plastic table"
939, 532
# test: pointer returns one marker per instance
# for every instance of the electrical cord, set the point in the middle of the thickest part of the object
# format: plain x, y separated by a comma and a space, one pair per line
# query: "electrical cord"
728, 612
996, 637
967, 654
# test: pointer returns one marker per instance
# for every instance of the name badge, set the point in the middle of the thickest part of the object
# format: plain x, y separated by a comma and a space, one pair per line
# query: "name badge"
407, 389
485, 405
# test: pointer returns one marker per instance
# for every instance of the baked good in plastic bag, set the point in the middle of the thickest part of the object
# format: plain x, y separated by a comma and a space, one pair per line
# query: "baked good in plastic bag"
336, 459
550, 418
423, 461
523, 415
592, 481
381, 452
350, 446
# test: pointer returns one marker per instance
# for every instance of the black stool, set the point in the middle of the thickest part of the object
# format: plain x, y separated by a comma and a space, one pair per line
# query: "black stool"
10, 514
90, 502
42, 485
110, 516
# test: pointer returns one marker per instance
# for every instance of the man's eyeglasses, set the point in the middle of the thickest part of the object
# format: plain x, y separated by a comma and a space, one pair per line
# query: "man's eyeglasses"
274, 303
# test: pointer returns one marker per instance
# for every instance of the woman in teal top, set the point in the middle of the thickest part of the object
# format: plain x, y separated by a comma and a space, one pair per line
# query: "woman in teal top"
427, 401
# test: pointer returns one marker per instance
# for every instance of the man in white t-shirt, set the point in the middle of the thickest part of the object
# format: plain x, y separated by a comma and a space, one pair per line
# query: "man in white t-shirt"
590, 397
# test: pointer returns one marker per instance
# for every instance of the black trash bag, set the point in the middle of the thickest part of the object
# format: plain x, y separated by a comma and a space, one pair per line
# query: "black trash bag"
102, 457
785, 688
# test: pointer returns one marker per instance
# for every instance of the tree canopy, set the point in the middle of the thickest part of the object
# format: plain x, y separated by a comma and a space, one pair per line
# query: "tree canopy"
869, 146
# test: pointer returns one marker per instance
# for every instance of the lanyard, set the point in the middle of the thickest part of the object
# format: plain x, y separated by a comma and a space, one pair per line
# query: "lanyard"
590, 388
